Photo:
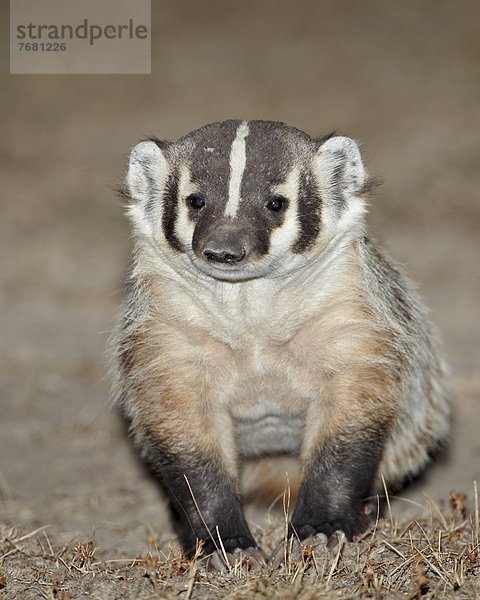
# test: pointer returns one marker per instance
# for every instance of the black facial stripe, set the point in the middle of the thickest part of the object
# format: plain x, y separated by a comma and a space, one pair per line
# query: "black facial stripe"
309, 212
170, 211
262, 239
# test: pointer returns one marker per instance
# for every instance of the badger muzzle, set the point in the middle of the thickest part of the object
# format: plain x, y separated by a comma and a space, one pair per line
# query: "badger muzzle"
223, 245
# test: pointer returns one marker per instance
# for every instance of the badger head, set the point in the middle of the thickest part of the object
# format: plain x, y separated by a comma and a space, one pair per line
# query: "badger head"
239, 200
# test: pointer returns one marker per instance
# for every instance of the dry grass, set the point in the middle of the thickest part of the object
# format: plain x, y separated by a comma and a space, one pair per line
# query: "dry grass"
436, 555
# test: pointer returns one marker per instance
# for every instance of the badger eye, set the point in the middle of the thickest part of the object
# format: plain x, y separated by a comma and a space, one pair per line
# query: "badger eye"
276, 203
195, 201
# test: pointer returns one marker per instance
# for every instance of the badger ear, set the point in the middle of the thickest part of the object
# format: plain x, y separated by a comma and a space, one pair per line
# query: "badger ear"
339, 169
148, 170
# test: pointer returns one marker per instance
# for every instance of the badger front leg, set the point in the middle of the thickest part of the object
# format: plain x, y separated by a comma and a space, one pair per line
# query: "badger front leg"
191, 450
337, 478
345, 437
203, 493
169, 393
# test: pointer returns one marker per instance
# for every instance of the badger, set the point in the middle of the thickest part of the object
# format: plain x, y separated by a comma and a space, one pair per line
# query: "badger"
262, 319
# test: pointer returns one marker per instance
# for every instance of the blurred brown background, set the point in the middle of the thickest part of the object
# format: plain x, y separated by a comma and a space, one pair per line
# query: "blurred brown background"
400, 76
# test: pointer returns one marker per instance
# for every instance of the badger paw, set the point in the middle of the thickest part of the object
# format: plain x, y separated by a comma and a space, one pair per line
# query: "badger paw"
238, 561
317, 545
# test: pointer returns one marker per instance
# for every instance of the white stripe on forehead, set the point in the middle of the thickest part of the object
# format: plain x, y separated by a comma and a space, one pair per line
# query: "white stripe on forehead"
238, 160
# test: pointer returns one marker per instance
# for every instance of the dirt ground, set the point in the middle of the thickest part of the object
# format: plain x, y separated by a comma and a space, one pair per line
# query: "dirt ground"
401, 77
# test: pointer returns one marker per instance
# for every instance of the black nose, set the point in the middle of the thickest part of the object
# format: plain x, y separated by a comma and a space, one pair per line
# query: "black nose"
225, 253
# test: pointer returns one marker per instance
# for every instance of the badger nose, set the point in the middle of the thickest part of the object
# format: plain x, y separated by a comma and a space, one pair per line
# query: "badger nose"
229, 253
224, 244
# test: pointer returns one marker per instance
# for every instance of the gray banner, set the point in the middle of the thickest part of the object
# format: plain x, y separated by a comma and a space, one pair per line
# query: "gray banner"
87, 37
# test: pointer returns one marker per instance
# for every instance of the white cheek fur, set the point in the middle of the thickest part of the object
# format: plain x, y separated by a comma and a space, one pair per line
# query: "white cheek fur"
184, 227
283, 238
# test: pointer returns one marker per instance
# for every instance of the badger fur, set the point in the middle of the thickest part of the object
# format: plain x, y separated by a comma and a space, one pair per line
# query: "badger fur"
262, 319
